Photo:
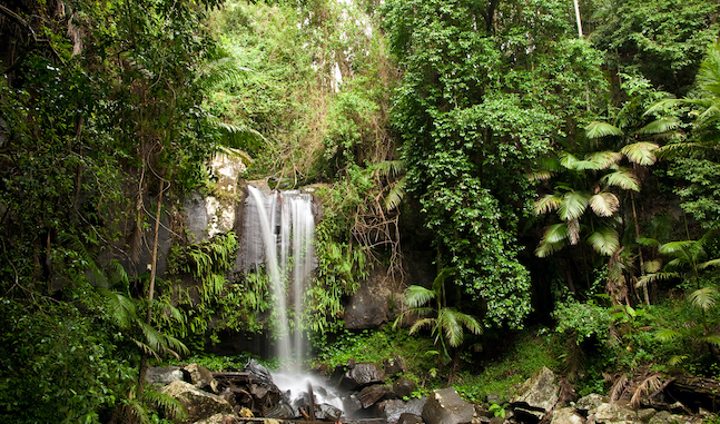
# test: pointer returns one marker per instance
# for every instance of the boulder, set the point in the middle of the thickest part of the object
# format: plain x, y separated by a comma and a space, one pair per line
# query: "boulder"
198, 404
370, 395
446, 407
408, 418
566, 416
371, 305
162, 376
614, 413
201, 377
404, 387
394, 366
327, 412
538, 395
352, 405
392, 410
497, 398
589, 404
220, 419
666, 417
362, 374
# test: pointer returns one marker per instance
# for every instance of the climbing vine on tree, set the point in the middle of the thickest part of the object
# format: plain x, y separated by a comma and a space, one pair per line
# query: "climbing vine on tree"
483, 93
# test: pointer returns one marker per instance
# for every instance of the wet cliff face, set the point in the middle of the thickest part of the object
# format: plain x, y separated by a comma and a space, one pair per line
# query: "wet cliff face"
206, 216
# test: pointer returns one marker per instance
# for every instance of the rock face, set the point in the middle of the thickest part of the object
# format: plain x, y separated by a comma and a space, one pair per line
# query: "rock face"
205, 217
199, 405
446, 407
371, 305
538, 395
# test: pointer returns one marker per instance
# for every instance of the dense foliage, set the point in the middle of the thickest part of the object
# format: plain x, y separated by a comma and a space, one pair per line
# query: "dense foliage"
98, 115
573, 173
488, 88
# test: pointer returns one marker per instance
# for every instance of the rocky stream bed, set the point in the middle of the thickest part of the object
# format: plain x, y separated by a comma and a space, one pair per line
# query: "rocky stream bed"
366, 393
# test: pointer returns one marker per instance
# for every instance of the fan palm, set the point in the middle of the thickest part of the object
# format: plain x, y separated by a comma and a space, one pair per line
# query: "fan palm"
446, 324
571, 200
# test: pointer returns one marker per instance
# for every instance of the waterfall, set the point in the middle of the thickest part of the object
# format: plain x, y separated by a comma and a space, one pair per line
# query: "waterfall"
278, 233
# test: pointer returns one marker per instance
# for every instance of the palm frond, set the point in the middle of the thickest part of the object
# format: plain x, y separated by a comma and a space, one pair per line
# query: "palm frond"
676, 248
646, 241
419, 324
389, 167
662, 106
712, 339
656, 276
712, 262
676, 360
605, 240
647, 386
602, 160
660, 126
556, 233
667, 334
171, 406
573, 205
622, 178
441, 277
708, 77
121, 308
233, 152
451, 328
546, 249
395, 195
641, 153
704, 298
417, 296
598, 129
604, 204
547, 203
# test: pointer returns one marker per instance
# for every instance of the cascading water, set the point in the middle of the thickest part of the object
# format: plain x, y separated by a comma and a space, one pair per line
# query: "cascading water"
278, 232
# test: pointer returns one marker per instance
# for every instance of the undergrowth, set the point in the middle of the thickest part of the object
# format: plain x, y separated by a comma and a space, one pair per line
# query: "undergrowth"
531, 351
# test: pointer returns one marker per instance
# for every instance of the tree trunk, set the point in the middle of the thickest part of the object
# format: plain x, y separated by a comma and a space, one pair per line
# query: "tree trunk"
151, 288
577, 18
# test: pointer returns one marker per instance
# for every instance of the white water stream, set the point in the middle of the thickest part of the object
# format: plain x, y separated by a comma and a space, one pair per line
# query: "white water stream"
278, 232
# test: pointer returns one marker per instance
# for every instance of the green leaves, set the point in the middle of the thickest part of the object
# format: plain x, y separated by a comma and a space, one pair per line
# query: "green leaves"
447, 324
597, 129
605, 241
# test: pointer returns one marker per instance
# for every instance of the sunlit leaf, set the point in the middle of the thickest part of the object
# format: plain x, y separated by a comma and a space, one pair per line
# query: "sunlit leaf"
704, 298
604, 204
622, 178
547, 203
640, 153
573, 205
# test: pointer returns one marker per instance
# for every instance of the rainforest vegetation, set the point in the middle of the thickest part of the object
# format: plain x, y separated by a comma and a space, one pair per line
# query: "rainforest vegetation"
556, 162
